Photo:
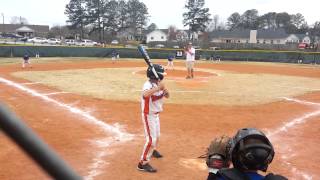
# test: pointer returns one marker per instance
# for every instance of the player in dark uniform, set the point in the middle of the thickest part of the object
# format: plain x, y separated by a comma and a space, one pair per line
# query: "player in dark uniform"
26, 61
170, 62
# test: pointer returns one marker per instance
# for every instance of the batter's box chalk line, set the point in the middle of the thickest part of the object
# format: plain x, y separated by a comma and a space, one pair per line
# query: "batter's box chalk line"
119, 135
287, 127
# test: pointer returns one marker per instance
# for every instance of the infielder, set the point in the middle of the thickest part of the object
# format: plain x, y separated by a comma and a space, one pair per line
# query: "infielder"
151, 105
26, 61
170, 62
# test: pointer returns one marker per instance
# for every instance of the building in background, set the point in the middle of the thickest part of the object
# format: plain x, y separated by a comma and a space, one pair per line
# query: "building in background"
261, 36
25, 30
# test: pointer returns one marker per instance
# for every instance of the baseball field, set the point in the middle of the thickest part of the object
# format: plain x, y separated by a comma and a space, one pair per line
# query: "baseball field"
88, 111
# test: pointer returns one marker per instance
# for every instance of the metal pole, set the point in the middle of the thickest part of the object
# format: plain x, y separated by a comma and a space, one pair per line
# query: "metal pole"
39, 151
3, 23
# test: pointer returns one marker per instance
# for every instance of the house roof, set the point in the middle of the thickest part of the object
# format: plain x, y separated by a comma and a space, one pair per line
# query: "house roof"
300, 36
230, 34
13, 27
162, 30
245, 33
271, 34
24, 29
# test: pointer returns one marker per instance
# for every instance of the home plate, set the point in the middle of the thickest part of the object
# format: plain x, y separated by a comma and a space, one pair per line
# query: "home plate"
193, 164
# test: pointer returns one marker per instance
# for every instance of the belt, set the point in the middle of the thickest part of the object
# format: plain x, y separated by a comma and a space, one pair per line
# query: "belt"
151, 113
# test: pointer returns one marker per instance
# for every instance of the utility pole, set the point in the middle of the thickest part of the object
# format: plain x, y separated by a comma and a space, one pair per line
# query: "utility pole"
3, 22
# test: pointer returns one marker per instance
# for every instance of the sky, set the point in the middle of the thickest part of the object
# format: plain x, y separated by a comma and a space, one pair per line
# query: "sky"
161, 12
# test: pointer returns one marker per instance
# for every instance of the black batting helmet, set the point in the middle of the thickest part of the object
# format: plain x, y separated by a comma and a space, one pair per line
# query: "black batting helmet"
159, 70
251, 150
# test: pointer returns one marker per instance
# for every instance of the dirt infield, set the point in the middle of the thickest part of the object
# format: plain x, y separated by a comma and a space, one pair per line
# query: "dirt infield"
101, 136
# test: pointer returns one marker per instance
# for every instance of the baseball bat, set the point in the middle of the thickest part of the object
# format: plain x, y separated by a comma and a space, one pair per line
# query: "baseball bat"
147, 59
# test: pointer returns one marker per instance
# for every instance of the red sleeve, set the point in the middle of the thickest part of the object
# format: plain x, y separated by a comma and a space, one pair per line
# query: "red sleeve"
155, 98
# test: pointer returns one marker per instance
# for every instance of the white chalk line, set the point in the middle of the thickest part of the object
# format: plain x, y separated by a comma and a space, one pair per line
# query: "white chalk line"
30, 83
119, 134
54, 93
178, 91
296, 121
302, 102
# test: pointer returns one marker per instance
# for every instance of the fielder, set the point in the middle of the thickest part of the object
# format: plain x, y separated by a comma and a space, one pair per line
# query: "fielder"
151, 106
113, 56
26, 61
170, 62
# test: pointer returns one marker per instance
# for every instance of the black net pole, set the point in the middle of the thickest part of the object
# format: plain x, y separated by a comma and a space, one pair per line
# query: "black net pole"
39, 151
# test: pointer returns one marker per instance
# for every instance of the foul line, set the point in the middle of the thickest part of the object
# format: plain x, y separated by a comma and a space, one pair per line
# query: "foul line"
292, 123
120, 136
27, 83
54, 93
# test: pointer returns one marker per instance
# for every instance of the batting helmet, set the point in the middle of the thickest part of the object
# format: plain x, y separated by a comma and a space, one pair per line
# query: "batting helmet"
159, 70
251, 150
26, 57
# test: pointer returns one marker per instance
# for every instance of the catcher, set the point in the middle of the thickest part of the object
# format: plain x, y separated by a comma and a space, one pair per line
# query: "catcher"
249, 151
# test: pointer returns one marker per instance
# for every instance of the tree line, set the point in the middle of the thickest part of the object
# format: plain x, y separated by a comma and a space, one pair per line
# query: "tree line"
111, 16
101, 17
250, 19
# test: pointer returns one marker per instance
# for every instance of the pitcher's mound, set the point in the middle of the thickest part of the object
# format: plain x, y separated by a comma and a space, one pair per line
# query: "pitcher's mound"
181, 74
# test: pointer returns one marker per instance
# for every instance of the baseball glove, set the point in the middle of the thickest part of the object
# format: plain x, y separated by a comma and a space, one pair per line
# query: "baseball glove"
218, 156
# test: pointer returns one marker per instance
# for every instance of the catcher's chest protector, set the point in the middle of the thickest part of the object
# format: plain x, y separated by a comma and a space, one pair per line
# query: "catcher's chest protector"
235, 174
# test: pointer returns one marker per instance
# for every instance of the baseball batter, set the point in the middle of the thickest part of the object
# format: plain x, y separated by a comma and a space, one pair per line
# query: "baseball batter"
151, 105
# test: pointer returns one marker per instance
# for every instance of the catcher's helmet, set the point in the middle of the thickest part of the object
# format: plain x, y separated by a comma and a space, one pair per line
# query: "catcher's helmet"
251, 150
159, 70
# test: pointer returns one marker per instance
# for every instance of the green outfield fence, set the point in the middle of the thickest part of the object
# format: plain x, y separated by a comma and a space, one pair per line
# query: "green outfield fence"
236, 55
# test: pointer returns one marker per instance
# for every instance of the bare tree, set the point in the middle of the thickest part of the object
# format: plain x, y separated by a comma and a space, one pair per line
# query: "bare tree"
234, 21
298, 20
77, 15
152, 27
215, 21
172, 31
197, 17
18, 20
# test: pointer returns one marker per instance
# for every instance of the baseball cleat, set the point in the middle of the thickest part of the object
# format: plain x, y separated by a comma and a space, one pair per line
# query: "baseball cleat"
156, 154
146, 167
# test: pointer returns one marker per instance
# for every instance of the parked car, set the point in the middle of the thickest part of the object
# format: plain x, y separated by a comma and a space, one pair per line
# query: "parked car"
54, 41
24, 39
70, 42
159, 46
130, 46
302, 45
214, 48
114, 42
176, 47
196, 47
8, 35
37, 40
87, 42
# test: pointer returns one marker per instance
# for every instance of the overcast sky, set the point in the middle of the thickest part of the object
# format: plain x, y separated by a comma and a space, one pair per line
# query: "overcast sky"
161, 12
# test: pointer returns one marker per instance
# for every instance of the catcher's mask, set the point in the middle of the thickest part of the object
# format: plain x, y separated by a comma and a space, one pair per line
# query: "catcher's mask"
251, 150
160, 71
